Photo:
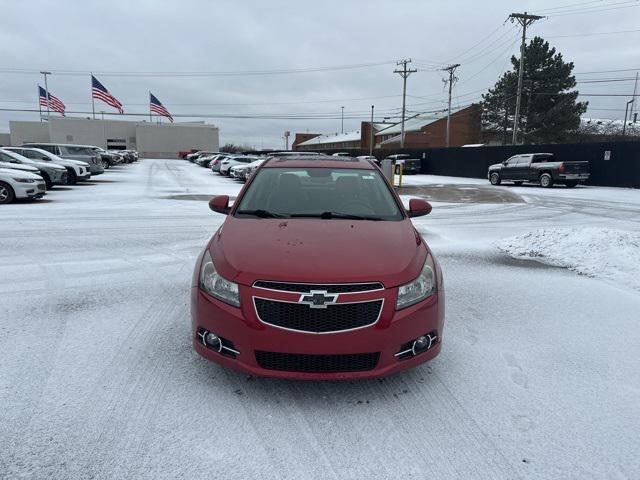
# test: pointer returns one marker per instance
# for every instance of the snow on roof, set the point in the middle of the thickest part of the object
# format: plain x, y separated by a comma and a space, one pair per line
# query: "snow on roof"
333, 138
410, 125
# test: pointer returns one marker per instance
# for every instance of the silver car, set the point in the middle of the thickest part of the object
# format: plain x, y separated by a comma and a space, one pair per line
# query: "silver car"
73, 152
51, 173
77, 171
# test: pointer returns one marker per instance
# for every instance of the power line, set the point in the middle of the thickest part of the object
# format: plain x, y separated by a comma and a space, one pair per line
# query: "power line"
198, 73
593, 34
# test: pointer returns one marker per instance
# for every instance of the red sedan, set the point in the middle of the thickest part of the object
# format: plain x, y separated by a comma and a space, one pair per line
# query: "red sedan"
317, 273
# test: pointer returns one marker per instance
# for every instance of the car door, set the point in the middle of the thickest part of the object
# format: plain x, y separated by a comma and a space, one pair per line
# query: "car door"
507, 172
521, 169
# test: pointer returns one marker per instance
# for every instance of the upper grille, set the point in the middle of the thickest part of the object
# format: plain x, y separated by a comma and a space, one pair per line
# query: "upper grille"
297, 362
307, 287
336, 317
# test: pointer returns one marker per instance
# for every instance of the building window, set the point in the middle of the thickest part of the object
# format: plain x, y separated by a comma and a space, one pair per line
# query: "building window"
69, 138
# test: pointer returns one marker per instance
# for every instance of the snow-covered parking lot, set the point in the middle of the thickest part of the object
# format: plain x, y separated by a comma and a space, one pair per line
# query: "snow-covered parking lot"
539, 376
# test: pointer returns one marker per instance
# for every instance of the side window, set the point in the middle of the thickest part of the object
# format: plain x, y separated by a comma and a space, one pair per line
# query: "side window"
523, 161
512, 161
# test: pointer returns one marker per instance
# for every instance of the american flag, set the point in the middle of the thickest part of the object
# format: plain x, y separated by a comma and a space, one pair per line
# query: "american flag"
54, 103
101, 93
156, 106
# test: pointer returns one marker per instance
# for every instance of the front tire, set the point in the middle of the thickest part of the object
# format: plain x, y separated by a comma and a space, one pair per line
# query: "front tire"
495, 179
72, 178
6, 193
47, 181
546, 181
106, 164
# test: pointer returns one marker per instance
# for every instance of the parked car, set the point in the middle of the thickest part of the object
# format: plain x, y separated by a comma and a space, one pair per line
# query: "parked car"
205, 159
341, 154
192, 157
16, 184
72, 152
541, 168
77, 171
252, 167
7, 163
409, 165
51, 173
368, 157
107, 159
342, 286
216, 162
229, 162
183, 153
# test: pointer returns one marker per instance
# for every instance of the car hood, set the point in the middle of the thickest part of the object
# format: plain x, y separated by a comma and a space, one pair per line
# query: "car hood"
495, 165
318, 251
18, 173
18, 166
71, 163
45, 165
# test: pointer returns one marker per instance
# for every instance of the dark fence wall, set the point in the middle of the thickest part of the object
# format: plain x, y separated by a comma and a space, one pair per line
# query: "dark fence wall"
622, 169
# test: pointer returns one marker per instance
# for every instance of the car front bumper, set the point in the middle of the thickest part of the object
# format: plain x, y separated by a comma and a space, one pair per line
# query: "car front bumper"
29, 190
386, 337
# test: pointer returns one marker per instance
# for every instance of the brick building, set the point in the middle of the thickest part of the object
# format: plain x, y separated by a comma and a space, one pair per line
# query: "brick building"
421, 131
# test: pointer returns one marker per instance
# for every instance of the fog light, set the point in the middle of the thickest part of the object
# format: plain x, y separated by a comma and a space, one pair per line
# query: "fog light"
213, 341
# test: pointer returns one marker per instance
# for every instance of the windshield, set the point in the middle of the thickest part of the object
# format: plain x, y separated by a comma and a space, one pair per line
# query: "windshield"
319, 192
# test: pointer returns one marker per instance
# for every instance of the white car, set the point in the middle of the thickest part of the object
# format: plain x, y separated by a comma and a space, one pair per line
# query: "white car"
252, 167
15, 184
77, 170
19, 167
227, 163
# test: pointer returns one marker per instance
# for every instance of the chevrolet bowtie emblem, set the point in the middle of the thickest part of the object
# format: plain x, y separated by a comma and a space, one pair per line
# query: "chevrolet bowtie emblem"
318, 298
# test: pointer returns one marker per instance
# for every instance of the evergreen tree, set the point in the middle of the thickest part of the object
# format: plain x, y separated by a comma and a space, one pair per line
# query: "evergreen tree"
549, 111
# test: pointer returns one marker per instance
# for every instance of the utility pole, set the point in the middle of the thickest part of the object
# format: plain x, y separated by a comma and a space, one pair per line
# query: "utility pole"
525, 20
46, 90
635, 90
371, 138
342, 120
404, 73
626, 110
452, 78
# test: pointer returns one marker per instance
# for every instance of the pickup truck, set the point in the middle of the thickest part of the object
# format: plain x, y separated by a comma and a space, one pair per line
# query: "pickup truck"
541, 168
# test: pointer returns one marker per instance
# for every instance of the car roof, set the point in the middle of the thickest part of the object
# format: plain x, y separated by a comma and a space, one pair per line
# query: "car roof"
317, 161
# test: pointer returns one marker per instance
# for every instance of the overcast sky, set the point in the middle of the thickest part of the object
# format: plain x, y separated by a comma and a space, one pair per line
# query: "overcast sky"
110, 37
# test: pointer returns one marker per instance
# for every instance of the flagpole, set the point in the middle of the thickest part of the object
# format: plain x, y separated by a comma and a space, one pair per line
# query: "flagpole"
150, 117
93, 102
39, 106
46, 90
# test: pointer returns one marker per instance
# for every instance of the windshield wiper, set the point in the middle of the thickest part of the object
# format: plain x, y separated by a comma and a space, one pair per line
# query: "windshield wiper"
329, 215
261, 213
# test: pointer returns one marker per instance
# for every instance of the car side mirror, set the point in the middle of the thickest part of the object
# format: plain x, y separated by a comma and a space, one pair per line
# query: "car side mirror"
220, 204
419, 207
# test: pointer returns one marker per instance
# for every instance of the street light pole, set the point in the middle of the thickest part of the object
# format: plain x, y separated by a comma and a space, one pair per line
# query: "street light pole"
46, 90
342, 120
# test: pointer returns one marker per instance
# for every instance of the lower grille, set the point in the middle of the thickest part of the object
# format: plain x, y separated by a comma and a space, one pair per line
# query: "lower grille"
333, 318
297, 362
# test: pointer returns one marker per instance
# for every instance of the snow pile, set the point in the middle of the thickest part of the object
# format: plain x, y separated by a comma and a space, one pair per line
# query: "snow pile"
605, 253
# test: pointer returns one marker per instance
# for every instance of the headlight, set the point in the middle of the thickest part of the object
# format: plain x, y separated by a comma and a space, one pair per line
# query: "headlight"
216, 286
420, 288
25, 180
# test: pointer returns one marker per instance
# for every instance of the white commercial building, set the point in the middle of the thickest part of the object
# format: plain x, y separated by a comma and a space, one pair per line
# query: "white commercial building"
163, 140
